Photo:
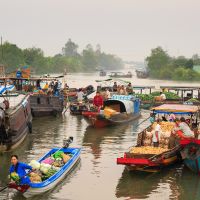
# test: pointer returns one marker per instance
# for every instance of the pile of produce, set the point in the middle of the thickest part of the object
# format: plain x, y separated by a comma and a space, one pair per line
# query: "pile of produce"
48, 166
193, 100
169, 95
145, 97
165, 126
15, 177
147, 150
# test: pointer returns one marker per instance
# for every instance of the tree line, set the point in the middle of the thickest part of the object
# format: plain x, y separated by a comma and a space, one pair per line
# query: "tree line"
89, 59
162, 66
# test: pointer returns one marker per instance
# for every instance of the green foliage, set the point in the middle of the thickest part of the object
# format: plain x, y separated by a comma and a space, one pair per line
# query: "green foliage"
162, 66
88, 60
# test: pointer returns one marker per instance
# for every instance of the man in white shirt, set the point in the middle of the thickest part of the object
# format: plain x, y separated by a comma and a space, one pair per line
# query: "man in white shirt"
80, 95
163, 96
156, 134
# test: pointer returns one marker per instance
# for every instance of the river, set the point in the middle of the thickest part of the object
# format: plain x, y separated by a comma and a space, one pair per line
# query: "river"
97, 176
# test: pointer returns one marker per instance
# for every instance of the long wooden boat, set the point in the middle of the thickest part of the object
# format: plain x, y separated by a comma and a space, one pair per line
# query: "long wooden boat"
46, 105
191, 154
143, 161
77, 108
120, 75
123, 109
39, 188
15, 120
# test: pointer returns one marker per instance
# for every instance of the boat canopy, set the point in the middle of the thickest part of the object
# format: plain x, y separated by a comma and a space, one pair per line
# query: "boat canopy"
120, 105
4, 88
176, 109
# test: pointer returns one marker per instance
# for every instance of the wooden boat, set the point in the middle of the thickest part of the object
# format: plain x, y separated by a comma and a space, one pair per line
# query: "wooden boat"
142, 74
120, 75
39, 188
45, 105
124, 109
15, 120
191, 154
153, 162
102, 73
42, 104
76, 108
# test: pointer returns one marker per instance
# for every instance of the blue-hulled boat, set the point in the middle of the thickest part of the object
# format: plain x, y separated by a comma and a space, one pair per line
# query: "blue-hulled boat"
191, 154
38, 188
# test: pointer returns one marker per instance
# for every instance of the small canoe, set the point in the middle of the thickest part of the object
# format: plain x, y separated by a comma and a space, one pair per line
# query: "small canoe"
37, 188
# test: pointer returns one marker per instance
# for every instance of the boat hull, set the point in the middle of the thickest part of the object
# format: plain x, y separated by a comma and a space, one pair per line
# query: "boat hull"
18, 123
101, 122
44, 105
38, 188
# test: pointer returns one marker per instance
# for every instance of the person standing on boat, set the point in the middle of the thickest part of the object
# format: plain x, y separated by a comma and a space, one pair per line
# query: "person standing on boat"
20, 169
98, 100
129, 89
182, 129
80, 95
156, 134
107, 94
115, 87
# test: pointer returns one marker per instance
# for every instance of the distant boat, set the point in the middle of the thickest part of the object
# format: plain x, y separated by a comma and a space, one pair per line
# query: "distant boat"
102, 73
141, 74
120, 75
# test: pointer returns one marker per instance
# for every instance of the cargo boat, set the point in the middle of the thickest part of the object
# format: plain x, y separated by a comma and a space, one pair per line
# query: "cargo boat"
153, 162
118, 110
15, 120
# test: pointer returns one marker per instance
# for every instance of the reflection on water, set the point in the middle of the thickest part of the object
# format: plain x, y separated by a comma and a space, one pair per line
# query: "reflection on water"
97, 176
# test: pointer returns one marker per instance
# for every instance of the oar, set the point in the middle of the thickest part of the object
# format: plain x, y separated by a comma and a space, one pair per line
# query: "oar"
66, 143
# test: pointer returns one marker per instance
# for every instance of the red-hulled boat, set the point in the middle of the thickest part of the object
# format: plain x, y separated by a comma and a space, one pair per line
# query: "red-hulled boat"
117, 110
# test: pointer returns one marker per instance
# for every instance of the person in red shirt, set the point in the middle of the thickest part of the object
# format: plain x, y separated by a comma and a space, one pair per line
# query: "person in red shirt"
98, 100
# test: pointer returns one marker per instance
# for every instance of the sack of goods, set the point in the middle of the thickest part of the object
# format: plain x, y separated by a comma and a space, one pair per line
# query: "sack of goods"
35, 178
147, 150
108, 112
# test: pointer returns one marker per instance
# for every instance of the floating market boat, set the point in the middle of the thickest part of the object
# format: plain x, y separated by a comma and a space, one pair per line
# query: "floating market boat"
15, 120
120, 75
77, 108
117, 110
191, 154
102, 73
141, 74
48, 184
144, 157
42, 104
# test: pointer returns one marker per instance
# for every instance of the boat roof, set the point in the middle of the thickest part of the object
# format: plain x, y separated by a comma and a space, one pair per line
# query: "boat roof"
176, 108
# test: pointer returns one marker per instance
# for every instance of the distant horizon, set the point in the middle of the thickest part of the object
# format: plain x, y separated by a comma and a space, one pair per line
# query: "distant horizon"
128, 29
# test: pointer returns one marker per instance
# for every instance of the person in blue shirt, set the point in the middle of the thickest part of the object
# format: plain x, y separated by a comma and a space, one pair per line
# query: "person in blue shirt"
20, 168
152, 118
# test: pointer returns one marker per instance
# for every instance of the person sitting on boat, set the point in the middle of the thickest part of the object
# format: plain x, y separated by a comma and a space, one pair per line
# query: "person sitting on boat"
115, 87
129, 89
182, 129
163, 96
107, 94
122, 90
20, 169
98, 100
80, 95
152, 118
156, 134
172, 117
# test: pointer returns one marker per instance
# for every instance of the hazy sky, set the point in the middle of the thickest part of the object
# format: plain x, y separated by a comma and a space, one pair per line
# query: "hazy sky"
127, 28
